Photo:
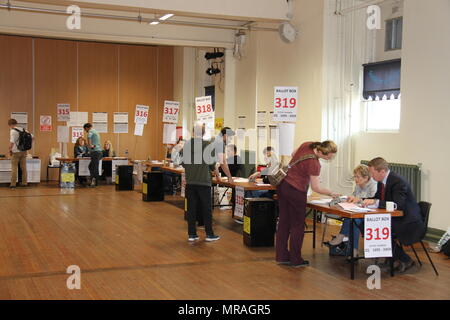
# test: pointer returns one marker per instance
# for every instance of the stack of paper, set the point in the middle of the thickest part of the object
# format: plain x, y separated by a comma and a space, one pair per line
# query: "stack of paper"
320, 201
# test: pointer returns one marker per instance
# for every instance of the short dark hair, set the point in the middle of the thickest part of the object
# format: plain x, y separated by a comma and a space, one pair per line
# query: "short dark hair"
267, 149
87, 126
227, 131
378, 164
12, 122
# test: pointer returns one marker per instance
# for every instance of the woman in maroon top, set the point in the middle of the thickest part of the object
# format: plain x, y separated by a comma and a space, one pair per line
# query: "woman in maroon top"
292, 200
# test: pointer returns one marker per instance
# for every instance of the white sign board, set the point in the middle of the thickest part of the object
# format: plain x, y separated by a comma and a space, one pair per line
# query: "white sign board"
261, 118
170, 133
239, 204
204, 110
171, 111
285, 104
20, 117
76, 133
377, 236
100, 117
286, 138
141, 114
120, 117
138, 129
63, 111
63, 134
78, 119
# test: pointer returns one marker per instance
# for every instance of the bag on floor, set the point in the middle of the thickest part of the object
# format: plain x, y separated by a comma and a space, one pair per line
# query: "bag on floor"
446, 248
341, 249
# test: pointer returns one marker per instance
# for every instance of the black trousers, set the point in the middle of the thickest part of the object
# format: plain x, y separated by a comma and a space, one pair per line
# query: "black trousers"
199, 203
96, 156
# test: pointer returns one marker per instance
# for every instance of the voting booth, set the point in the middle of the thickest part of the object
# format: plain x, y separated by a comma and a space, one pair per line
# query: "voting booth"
124, 177
259, 222
153, 186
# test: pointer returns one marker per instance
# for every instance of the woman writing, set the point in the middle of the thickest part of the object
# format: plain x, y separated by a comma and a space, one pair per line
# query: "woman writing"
292, 199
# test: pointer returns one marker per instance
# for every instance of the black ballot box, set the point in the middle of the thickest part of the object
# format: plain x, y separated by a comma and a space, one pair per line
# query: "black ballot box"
124, 177
259, 222
152, 186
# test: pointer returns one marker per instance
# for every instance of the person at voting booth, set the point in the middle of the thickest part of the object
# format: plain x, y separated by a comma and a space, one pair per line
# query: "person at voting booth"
107, 152
80, 150
18, 151
365, 187
407, 229
198, 160
95, 152
292, 199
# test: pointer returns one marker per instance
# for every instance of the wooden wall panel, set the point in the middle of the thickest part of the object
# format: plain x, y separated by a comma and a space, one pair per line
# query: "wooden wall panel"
16, 83
56, 82
92, 77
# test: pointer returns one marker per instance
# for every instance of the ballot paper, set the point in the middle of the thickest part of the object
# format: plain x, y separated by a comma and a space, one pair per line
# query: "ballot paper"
240, 180
353, 207
320, 201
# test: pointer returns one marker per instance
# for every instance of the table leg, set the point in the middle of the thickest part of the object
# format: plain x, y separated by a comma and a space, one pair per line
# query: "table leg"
352, 260
314, 228
391, 265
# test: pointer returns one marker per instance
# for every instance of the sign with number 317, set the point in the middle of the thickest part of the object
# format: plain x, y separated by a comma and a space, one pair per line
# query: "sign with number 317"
285, 104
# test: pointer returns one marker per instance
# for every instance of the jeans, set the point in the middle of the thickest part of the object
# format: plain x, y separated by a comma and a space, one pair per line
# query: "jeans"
345, 229
19, 158
96, 156
199, 204
259, 194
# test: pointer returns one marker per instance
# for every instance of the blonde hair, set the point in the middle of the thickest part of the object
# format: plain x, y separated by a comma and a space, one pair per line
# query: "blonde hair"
111, 150
325, 147
362, 170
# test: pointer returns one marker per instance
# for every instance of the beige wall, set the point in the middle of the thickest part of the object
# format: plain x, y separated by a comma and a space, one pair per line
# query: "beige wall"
424, 132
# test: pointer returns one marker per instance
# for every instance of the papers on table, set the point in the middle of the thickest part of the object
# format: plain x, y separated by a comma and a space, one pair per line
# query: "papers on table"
320, 201
240, 180
353, 207
263, 184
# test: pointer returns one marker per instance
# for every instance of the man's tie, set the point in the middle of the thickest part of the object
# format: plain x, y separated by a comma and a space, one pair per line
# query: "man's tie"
382, 191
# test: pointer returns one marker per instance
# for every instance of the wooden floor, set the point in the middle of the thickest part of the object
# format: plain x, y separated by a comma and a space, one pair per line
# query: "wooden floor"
130, 249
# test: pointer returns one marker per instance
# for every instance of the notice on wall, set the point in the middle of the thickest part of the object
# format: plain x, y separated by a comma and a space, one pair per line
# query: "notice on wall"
120, 127
100, 127
377, 236
261, 118
183, 185
141, 114
274, 138
45, 123
286, 138
204, 110
20, 117
271, 121
239, 205
285, 104
77, 132
170, 133
63, 112
171, 111
78, 119
138, 129
241, 122
100, 117
63, 134
120, 122
120, 117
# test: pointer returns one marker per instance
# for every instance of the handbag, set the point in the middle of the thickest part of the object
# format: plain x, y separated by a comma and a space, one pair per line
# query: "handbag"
280, 173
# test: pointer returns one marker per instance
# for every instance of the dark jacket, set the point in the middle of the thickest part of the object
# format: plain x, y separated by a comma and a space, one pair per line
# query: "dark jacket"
409, 228
80, 151
197, 167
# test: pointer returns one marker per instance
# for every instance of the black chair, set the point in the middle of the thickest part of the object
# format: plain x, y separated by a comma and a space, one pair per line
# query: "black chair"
425, 213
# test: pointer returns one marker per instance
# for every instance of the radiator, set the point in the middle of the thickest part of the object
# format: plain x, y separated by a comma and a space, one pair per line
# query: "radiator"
411, 173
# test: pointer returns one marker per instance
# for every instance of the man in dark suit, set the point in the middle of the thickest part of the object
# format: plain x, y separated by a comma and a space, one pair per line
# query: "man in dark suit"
407, 229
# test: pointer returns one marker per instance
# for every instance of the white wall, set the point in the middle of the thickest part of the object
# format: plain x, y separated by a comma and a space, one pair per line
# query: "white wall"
424, 132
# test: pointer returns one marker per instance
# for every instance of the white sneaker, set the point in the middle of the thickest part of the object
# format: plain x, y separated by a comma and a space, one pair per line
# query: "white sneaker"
212, 238
193, 238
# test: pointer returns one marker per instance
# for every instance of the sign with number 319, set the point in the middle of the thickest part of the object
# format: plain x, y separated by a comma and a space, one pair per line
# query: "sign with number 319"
377, 236
285, 104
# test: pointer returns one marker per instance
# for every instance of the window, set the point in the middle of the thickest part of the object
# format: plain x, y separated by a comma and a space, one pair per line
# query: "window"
393, 38
383, 115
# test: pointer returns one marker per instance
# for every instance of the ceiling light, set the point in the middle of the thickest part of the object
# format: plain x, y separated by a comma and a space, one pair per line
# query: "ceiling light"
213, 55
211, 71
154, 23
166, 16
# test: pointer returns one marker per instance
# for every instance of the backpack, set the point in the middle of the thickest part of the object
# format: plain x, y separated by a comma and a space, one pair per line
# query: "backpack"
25, 140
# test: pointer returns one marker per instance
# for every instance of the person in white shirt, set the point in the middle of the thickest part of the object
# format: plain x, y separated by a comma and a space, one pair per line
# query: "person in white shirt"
17, 157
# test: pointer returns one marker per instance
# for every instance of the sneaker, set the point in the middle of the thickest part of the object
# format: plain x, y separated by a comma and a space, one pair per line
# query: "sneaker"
305, 263
93, 183
193, 238
212, 238
239, 221
12, 187
284, 262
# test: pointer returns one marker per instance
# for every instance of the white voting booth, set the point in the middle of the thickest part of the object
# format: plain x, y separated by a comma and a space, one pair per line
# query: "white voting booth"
33, 171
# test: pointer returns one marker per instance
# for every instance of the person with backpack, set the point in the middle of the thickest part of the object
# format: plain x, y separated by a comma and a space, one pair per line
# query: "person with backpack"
20, 142
95, 152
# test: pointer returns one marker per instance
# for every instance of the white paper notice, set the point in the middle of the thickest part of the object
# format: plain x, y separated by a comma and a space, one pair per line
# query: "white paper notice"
285, 103
63, 134
274, 137
83, 167
170, 133
100, 117
120, 127
141, 114
76, 133
377, 236
203, 109
101, 127
78, 119
261, 118
120, 117
239, 205
20, 117
241, 122
45, 123
138, 129
286, 138
63, 111
171, 111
